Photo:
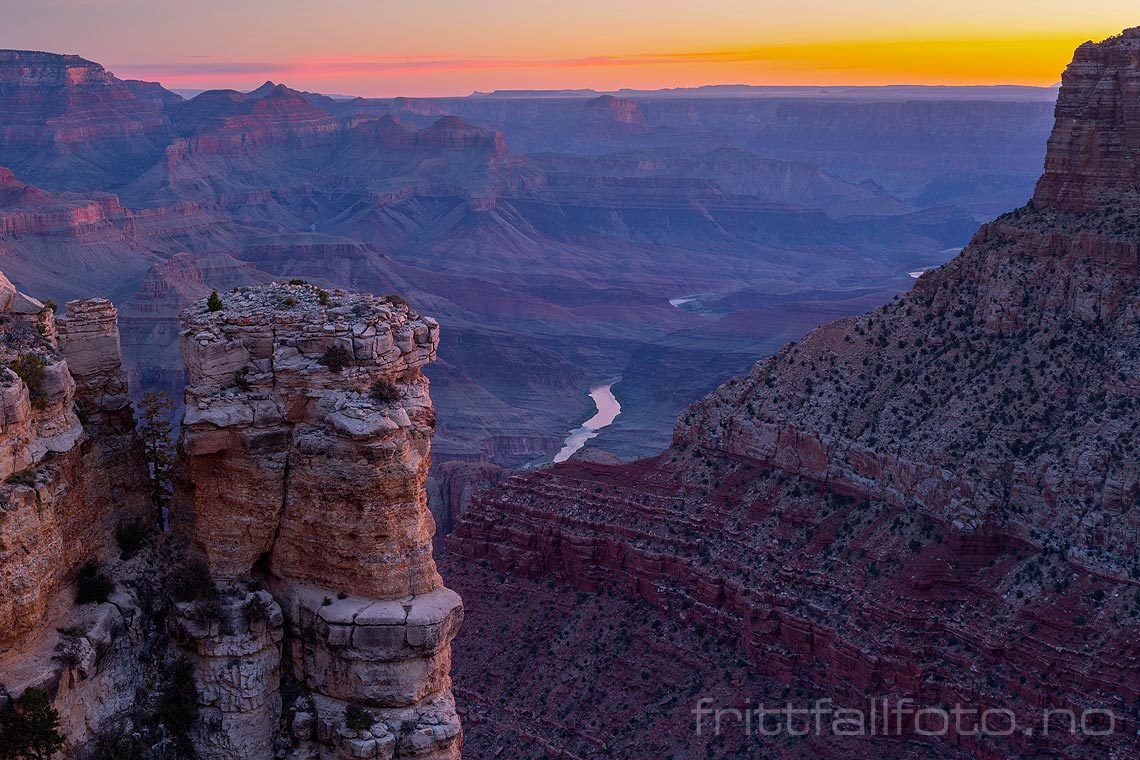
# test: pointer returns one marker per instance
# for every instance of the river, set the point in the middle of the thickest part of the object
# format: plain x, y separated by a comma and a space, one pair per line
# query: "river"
608, 409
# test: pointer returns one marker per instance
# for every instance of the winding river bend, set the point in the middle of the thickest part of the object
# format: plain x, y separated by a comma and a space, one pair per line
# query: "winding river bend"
608, 410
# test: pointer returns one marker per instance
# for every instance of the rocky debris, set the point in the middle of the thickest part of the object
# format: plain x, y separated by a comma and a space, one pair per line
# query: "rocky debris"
305, 444
935, 500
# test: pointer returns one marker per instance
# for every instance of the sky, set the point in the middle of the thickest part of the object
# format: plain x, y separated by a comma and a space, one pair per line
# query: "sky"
383, 48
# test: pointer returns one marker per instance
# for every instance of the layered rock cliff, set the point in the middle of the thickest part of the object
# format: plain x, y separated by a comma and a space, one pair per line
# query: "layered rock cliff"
305, 446
71, 478
65, 483
73, 123
1092, 156
936, 501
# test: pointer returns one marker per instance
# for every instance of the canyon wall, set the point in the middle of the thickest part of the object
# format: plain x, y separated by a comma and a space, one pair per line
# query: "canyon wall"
71, 477
305, 450
73, 123
66, 484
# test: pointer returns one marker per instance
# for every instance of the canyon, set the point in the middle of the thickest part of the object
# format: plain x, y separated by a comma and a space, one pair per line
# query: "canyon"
548, 231
934, 502
346, 538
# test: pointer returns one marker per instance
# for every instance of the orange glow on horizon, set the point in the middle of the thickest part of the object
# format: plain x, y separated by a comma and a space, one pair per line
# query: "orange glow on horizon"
383, 48
1028, 61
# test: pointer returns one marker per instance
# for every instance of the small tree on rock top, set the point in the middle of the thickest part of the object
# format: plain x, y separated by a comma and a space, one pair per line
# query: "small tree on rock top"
214, 302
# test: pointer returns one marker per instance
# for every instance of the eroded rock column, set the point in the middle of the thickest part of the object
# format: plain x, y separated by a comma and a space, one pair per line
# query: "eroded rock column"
305, 447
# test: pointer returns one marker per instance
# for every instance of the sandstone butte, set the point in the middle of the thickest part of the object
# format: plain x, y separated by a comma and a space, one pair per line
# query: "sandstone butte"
296, 584
937, 501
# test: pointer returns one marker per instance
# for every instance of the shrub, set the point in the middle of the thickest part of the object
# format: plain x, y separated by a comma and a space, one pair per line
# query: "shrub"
255, 609
214, 302
384, 391
398, 299
298, 281
93, 585
66, 652
25, 477
188, 579
118, 743
29, 730
207, 610
336, 357
357, 718
19, 333
177, 703
130, 536
323, 297
30, 368
50, 304
241, 379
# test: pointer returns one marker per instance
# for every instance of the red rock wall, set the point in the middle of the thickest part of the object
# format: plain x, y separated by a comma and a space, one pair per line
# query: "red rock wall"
1092, 157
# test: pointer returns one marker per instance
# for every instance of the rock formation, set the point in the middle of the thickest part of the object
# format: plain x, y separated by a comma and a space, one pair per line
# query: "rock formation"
306, 440
61, 487
935, 501
73, 123
71, 476
305, 445
1093, 148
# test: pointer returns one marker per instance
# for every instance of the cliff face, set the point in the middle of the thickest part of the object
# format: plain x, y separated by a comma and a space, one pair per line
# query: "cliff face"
1092, 158
38, 421
62, 487
73, 123
66, 486
306, 448
936, 500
